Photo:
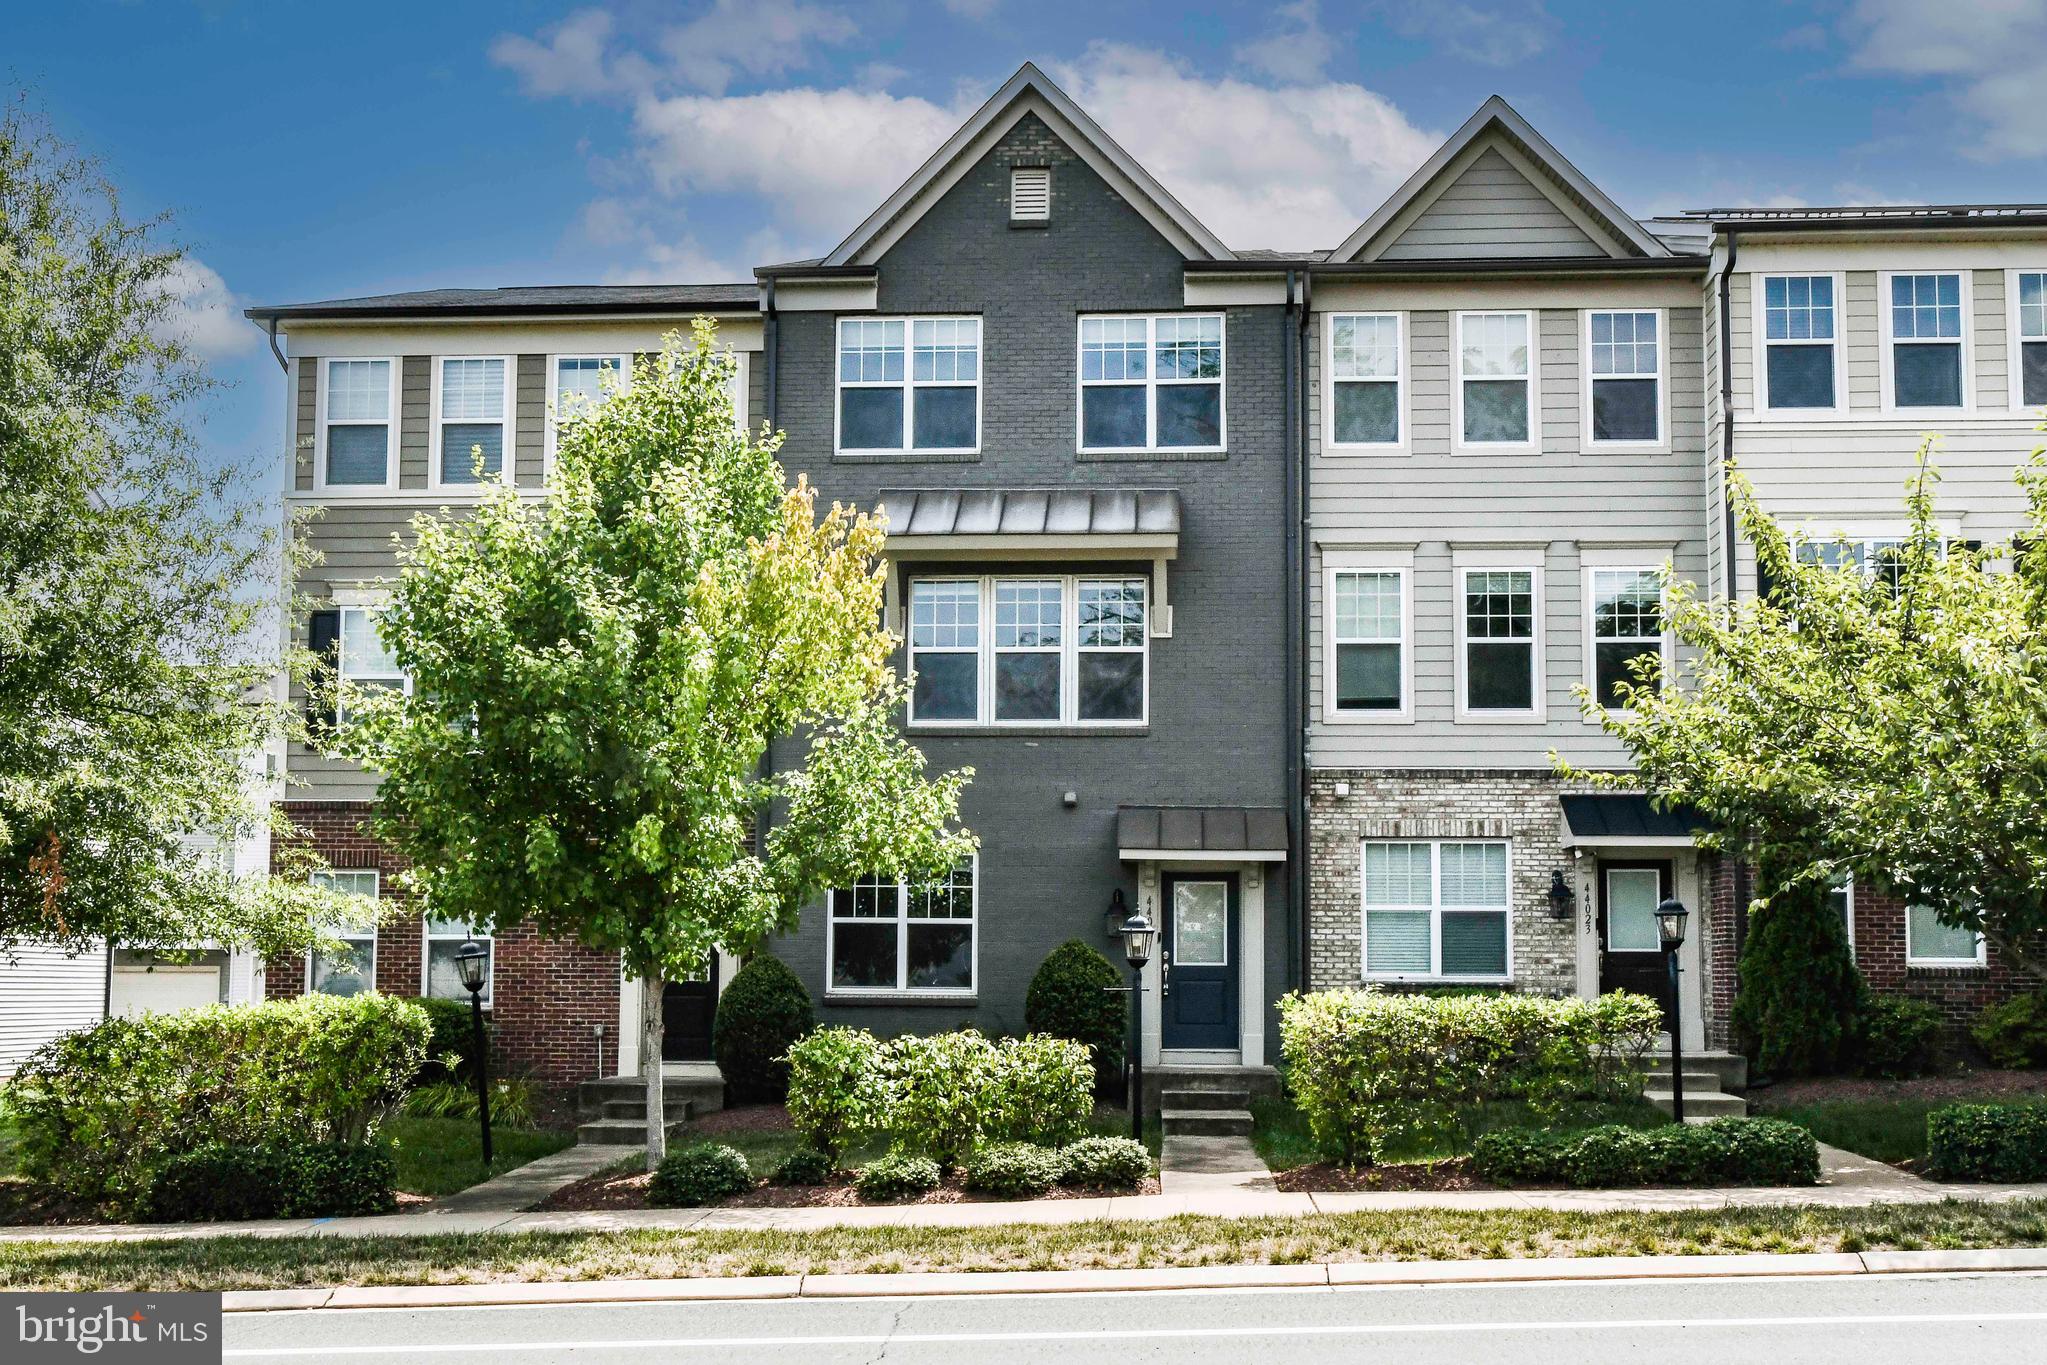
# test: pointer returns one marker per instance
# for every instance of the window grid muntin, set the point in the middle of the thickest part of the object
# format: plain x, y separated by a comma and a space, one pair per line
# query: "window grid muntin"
1404, 901
1634, 618
1494, 356
1360, 617
872, 900
1500, 607
1365, 352
1121, 615
2032, 293
909, 354
1626, 345
1799, 308
1109, 358
1926, 307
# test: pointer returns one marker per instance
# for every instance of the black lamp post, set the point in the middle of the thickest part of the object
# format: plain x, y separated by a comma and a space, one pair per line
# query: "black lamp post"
1139, 935
472, 959
1670, 928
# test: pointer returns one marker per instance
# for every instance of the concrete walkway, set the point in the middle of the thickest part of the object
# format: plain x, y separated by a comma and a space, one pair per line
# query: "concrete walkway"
1848, 1181
1203, 1165
524, 1186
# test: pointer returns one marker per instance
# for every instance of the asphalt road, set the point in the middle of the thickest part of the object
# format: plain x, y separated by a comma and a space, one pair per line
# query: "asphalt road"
1866, 1320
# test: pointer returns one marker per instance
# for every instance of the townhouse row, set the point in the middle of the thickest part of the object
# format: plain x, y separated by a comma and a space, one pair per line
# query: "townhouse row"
1255, 585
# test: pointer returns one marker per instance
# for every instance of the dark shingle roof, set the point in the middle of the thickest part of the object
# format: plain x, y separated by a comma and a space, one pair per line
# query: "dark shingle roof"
1201, 829
528, 299
1031, 511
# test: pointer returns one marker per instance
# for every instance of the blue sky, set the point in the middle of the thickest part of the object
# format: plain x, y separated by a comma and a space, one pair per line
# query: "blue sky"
307, 154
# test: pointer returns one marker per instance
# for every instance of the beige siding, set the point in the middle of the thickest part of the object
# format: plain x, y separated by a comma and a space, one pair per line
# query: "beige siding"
305, 424
415, 416
529, 451
1862, 330
1491, 210
1991, 340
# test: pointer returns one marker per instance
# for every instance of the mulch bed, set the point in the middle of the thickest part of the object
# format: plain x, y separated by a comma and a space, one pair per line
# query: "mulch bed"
1958, 1085
1324, 1177
24, 1203
628, 1190
747, 1118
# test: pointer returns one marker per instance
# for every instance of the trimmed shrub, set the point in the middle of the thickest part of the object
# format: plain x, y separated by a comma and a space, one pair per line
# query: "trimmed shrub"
2014, 1034
1720, 1152
1370, 1069
1070, 997
1041, 1091
760, 1013
1800, 996
1115, 1163
451, 1048
1012, 1170
835, 1087
1521, 1156
806, 1166
100, 1109
897, 1175
936, 1089
1898, 1037
218, 1183
702, 1173
2006, 1143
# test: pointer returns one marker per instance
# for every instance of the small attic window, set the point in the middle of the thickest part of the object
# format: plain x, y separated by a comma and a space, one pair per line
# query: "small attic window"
1030, 194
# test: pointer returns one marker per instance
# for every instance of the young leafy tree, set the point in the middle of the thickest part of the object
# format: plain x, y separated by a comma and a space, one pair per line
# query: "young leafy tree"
131, 580
1801, 999
597, 678
1892, 725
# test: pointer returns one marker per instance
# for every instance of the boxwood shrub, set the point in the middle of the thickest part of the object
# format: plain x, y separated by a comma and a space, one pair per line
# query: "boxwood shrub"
2006, 1143
806, 1166
1898, 1037
1012, 1169
1734, 1151
896, 1175
1114, 1163
1071, 997
287, 1180
702, 1173
760, 1013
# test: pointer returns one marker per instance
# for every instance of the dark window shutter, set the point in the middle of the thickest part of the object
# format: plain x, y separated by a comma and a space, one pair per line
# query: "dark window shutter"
1766, 582
323, 637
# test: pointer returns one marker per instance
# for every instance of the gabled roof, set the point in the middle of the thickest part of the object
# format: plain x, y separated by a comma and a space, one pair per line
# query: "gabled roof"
533, 300
1028, 91
1579, 196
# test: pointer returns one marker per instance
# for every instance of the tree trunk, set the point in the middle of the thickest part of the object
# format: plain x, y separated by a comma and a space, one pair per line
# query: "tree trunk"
651, 986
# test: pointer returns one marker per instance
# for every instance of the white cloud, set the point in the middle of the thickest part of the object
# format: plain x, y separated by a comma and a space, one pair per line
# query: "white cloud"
1991, 55
569, 58
751, 38
206, 314
1298, 51
587, 55
1498, 34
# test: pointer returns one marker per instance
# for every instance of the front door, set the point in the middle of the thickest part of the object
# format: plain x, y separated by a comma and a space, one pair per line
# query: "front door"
1200, 1008
686, 1010
1630, 949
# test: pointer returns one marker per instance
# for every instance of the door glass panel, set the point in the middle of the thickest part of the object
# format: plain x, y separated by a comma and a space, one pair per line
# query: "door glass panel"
1631, 897
1201, 924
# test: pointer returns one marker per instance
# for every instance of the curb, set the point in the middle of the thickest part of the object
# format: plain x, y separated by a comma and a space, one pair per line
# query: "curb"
1319, 1275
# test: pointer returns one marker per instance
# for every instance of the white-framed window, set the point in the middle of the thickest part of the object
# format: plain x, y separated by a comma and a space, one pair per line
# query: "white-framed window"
1926, 340
1367, 393
1029, 649
1436, 909
2027, 290
1152, 382
1496, 389
1929, 943
1499, 648
1841, 899
357, 438
440, 974
1880, 559
472, 411
909, 384
1625, 355
365, 660
352, 968
1367, 668
885, 937
1799, 323
578, 383
1623, 622
1030, 194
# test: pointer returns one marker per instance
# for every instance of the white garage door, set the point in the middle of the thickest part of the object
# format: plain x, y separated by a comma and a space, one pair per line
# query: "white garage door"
159, 990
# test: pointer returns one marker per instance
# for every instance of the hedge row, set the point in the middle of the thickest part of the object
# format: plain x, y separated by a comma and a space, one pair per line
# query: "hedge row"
2006, 1143
295, 1180
1719, 1152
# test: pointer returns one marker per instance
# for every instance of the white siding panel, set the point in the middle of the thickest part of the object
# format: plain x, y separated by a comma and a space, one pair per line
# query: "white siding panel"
44, 993
1491, 210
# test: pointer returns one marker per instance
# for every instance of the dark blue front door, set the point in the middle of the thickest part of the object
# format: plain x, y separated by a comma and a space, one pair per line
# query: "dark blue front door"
1201, 948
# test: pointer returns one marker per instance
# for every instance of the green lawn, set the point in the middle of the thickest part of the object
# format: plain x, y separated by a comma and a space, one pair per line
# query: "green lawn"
441, 1156
1882, 1129
1280, 1131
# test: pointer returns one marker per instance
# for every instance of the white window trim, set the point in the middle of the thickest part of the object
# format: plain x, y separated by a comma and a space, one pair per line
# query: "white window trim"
2015, 371
1658, 446
903, 922
370, 604
508, 466
1330, 379
1435, 909
1759, 368
341, 490
1070, 651
623, 360
1533, 444
1152, 383
427, 937
1464, 564
909, 384
1887, 356
1590, 566
1847, 920
1400, 562
376, 893
1981, 959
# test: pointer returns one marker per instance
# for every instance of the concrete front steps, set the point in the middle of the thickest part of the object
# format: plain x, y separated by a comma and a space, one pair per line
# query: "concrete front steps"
1205, 1101
1715, 1084
614, 1109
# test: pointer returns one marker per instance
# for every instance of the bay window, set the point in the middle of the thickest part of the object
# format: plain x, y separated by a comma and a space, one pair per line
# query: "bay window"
1065, 649
1496, 379
1435, 909
885, 936
358, 418
1799, 342
1365, 379
1500, 656
1151, 383
472, 418
1625, 394
909, 385
1923, 341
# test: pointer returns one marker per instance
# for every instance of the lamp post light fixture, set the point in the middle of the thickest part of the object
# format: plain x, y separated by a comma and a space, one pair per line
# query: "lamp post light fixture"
472, 960
1140, 936
1670, 928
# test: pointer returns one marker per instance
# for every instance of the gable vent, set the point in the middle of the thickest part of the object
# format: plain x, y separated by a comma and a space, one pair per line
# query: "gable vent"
1030, 194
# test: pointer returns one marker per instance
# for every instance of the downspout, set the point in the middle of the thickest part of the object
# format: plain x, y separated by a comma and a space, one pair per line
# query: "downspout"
1729, 551
270, 326
770, 346
1299, 519
770, 327
1290, 610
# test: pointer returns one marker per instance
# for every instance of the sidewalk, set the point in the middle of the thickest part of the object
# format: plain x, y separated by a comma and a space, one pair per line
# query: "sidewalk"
1847, 1181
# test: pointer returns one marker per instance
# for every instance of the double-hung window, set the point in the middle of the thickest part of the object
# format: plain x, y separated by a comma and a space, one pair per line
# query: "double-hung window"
1625, 394
366, 661
1799, 342
351, 968
580, 383
1930, 943
1924, 340
1496, 379
1501, 656
1435, 909
1841, 900
1880, 559
358, 408
1625, 607
444, 938
1368, 619
885, 936
1365, 378
1151, 383
1028, 649
2029, 356
472, 418
910, 384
